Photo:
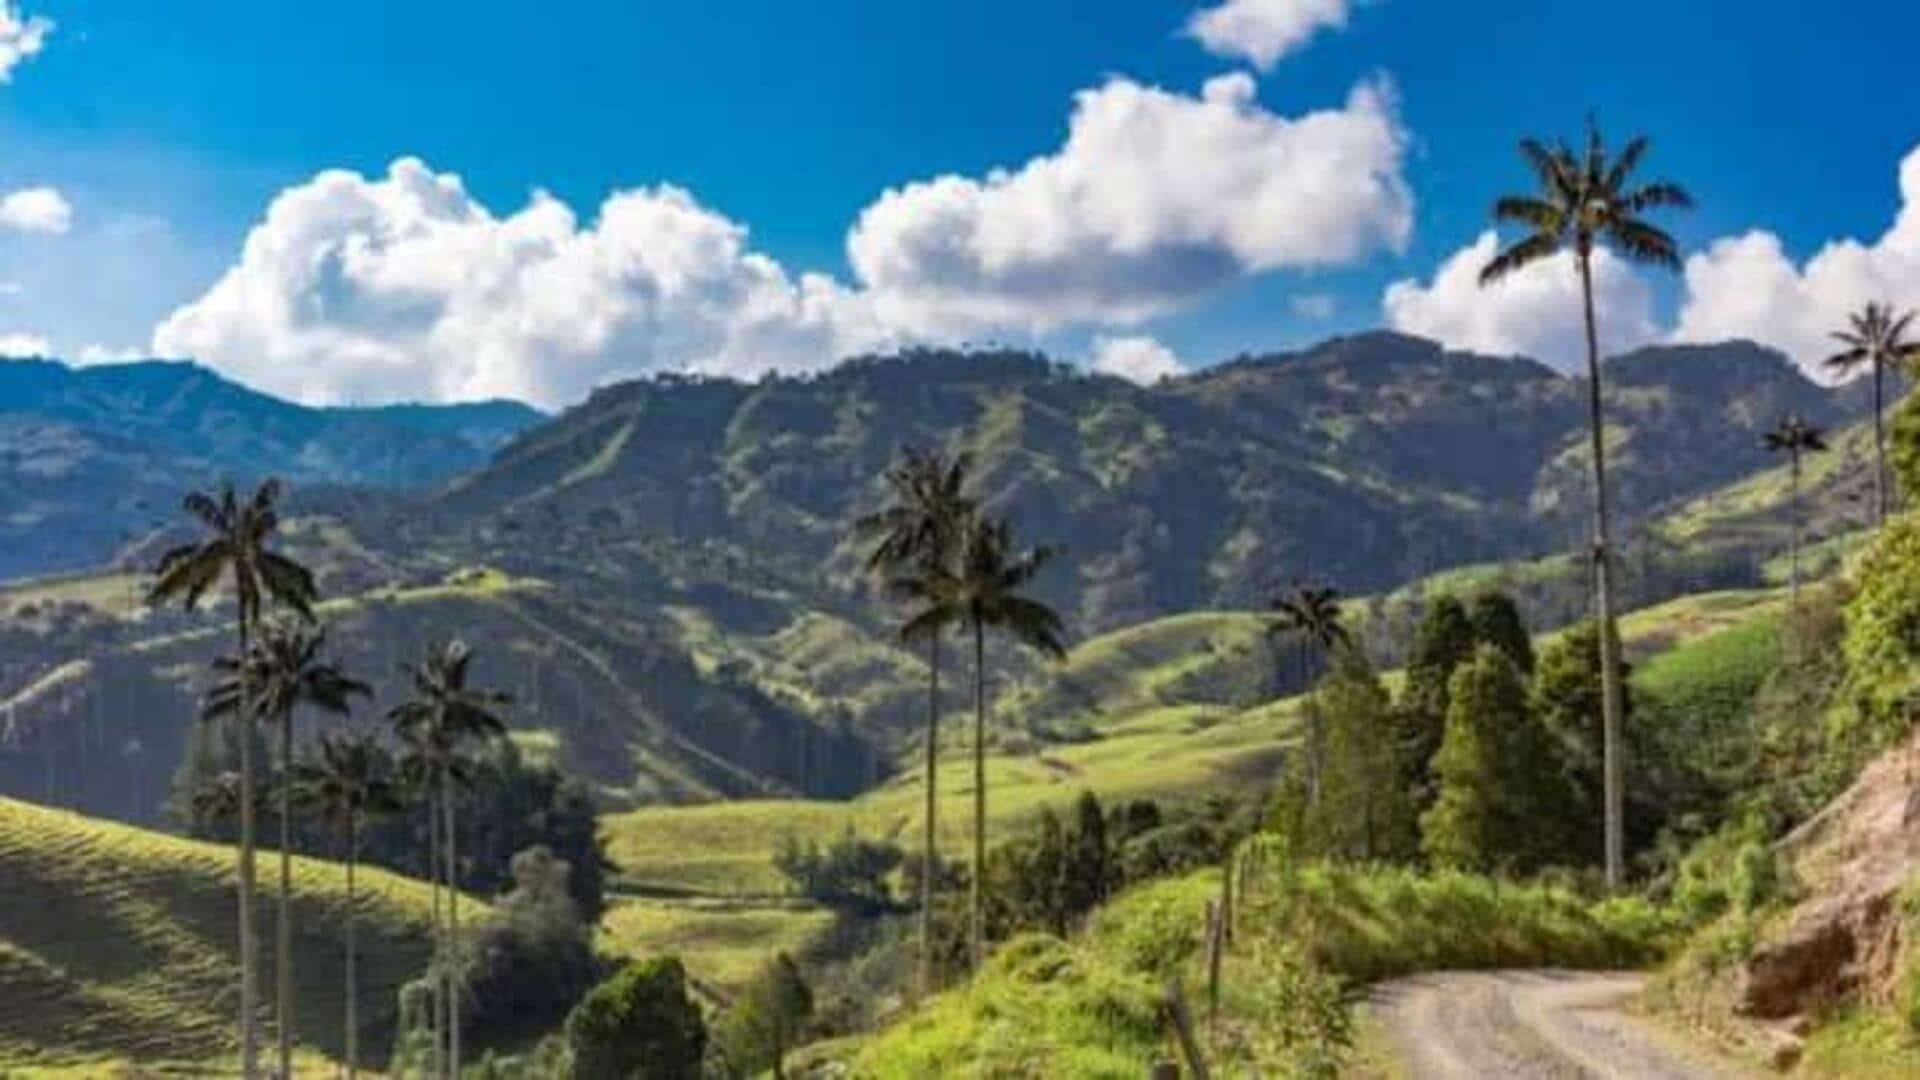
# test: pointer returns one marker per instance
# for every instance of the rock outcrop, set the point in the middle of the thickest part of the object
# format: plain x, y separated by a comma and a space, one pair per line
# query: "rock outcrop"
1856, 859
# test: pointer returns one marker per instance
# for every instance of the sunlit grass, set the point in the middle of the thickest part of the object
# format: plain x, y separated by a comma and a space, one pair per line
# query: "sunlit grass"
123, 939
722, 942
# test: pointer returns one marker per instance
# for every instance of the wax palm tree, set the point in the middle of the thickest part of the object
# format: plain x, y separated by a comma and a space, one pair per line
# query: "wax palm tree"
234, 552
282, 671
982, 591
1587, 200
349, 781
1795, 437
444, 714
1309, 615
918, 531
1877, 339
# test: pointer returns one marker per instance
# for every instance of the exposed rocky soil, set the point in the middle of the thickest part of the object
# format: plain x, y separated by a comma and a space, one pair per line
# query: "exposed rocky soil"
1854, 860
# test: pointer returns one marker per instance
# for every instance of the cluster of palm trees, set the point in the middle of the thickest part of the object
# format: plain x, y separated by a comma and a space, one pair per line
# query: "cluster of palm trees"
956, 566
1590, 198
347, 778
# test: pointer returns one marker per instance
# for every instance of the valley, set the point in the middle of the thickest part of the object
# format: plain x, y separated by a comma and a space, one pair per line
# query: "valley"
664, 582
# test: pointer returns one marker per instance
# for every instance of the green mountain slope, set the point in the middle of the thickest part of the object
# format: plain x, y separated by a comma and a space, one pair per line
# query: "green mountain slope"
116, 947
1368, 460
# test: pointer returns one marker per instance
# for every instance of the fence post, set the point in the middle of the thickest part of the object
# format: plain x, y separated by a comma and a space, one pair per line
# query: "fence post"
1226, 896
1216, 938
1176, 1003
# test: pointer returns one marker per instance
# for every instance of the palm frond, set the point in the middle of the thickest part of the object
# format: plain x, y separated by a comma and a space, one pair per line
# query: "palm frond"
1626, 163
1529, 249
1640, 242
1655, 196
1531, 211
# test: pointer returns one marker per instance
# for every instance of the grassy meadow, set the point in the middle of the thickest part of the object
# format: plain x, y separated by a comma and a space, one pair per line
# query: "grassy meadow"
123, 941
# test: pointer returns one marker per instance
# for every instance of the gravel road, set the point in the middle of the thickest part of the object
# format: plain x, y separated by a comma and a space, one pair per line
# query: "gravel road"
1541, 1024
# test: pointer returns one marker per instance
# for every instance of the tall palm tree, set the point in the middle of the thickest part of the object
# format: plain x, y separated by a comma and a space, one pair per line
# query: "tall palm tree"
349, 781
1876, 338
1584, 201
444, 714
982, 591
234, 551
282, 671
918, 530
1795, 437
1310, 616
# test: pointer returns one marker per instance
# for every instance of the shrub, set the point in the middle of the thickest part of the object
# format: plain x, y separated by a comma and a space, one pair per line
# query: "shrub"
851, 869
768, 1019
640, 1024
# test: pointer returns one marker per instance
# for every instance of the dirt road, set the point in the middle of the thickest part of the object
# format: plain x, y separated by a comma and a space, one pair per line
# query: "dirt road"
1531, 1024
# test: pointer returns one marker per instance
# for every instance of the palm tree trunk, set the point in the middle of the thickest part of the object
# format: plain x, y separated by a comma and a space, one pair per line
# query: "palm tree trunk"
283, 929
443, 956
353, 986
1793, 569
976, 908
249, 975
453, 935
433, 878
1316, 737
1879, 450
930, 859
1610, 690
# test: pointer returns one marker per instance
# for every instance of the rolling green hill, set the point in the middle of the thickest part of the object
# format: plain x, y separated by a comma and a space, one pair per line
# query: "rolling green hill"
663, 579
116, 946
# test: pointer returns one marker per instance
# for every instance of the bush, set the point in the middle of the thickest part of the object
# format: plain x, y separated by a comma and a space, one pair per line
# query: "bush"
849, 870
1303, 1026
638, 1024
768, 1019
521, 970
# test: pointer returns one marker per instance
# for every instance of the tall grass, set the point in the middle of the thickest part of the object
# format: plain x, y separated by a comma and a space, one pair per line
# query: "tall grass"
1090, 1007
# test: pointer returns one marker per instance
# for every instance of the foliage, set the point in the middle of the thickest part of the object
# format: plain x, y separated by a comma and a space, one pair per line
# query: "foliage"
851, 869
1501, 793
1367, 923
1882, 645
531, 963
767, 1019
1040, 1007
1363, 811
638, 1024
1496, 621
1442, 643
1303, 1024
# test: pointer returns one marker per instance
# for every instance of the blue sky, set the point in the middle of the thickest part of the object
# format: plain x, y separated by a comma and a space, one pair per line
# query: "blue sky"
169, 129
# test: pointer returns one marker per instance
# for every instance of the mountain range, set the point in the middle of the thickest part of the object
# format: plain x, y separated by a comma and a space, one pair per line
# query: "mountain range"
664, 578
90, 456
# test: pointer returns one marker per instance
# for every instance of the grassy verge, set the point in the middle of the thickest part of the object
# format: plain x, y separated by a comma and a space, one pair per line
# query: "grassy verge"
1090, 1007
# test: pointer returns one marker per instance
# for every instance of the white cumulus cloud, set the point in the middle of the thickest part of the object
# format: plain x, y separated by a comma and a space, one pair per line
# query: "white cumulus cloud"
1155, 199
36, 209
1533, 312
1136, 359
1263, 31
22, 37
18, 344
404, 286
1747, 286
